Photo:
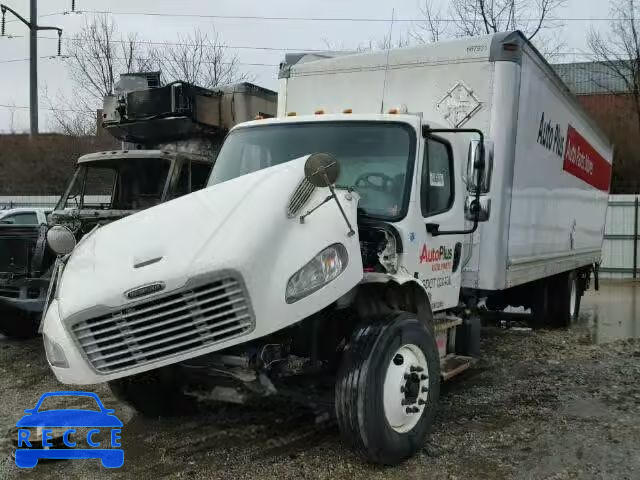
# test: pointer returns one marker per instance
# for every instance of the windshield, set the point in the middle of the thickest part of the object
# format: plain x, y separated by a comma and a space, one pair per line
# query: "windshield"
374, 157
118, 184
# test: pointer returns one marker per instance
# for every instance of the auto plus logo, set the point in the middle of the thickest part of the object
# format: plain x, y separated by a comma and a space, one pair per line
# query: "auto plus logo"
440, 258
97, 420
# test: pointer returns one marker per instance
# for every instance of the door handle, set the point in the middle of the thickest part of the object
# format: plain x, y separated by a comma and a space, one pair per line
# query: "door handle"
457, 254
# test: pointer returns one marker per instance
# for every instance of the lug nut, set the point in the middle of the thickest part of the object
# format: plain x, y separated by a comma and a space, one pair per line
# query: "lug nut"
407, 376
423, 377
425, 389
402, 389
409, 410
417, 369
421, 402
415, 409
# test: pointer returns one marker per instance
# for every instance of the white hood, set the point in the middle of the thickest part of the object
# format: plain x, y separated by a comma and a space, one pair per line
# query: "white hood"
238, 225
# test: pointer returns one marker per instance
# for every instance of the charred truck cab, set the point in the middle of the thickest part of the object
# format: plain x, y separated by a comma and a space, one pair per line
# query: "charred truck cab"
342, 249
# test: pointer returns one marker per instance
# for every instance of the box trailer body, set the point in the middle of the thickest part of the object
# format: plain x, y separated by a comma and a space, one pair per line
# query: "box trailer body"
551, 163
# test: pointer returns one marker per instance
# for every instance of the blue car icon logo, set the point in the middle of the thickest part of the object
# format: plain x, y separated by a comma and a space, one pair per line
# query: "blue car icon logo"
95, 420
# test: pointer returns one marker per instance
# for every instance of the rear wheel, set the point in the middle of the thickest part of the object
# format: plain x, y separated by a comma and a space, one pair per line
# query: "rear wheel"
540, 305
565, 303
387, 388
157, 393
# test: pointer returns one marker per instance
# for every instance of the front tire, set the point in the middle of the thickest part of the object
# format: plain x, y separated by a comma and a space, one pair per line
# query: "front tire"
388, 387
154, 394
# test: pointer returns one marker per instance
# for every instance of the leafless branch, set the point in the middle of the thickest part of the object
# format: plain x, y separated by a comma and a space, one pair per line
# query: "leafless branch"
468, 18
199, 58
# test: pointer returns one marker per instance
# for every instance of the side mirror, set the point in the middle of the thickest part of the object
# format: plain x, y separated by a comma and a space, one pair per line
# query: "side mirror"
481, 208
321, 169
480, 158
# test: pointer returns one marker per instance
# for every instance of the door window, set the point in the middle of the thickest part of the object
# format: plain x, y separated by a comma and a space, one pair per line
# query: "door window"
437, 178
25, 218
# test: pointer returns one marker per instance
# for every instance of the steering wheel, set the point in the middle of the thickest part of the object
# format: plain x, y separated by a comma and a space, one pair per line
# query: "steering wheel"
364, 181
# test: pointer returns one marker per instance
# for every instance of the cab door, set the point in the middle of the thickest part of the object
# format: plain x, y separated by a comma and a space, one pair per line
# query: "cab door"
441, 199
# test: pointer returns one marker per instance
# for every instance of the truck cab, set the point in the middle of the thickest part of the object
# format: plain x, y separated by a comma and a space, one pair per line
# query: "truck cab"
110, 185
287, 265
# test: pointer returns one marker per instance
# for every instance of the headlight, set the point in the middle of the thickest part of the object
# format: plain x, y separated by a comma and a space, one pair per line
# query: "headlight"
61, 240
55, 354
322, 269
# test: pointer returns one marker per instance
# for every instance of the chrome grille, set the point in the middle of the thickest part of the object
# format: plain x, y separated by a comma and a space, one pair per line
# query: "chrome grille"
299, 198
166, 325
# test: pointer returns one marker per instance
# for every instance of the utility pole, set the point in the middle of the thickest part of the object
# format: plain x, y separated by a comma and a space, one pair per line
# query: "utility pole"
34, 28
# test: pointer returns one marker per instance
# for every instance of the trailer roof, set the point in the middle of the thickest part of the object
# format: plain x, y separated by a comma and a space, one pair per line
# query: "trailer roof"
485, 48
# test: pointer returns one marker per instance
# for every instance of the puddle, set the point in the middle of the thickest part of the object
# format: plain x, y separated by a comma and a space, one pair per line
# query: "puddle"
611, 314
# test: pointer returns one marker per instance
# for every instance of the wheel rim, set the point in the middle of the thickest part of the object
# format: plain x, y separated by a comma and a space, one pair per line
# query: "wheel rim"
573, 298
406, 388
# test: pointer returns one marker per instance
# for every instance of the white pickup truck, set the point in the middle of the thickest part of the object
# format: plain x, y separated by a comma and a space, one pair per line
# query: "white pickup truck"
24, 216
346, 239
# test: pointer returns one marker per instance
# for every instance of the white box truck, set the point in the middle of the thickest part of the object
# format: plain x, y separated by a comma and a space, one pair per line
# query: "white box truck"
346, 239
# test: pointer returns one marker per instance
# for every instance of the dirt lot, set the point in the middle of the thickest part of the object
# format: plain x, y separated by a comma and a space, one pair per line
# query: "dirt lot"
538, 405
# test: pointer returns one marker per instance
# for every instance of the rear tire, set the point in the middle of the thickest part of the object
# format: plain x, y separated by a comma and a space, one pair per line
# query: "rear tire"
540, 306
378, 381
565, 303
154, 394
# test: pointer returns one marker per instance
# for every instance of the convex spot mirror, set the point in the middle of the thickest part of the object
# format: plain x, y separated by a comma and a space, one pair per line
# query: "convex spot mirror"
321, 169
61, 240
477, 163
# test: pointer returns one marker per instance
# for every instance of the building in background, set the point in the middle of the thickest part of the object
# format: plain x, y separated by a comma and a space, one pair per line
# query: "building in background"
607, 99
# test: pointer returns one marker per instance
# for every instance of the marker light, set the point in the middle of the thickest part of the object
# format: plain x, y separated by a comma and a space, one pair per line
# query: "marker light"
319, 112
291, 114
347, 110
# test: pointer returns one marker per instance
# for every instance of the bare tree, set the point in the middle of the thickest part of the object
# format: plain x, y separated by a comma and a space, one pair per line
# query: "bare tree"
199, 58
618, 51
469, 18
95, 57
98, 54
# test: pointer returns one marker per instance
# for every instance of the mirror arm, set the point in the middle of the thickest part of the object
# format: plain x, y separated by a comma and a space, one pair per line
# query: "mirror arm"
434, 228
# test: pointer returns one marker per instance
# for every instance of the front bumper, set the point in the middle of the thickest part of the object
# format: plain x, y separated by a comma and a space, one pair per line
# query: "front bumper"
27, 295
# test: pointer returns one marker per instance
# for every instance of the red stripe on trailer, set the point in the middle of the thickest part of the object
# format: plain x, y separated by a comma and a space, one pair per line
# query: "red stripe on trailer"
583, 161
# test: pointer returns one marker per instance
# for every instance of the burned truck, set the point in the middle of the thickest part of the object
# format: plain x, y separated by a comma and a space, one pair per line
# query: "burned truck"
170, 138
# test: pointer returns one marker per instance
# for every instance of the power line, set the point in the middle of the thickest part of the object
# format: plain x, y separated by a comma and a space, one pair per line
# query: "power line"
22, 107
324, 19
247, 47
53, 57
183, 44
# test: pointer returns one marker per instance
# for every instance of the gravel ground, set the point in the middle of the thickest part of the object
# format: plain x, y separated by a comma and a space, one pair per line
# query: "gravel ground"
538, 405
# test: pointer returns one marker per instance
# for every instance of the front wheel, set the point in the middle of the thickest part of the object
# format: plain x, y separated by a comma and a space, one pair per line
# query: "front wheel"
387, 388
158, 393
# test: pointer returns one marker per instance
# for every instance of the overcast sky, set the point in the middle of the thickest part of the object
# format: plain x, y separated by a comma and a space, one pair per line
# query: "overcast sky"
14, 76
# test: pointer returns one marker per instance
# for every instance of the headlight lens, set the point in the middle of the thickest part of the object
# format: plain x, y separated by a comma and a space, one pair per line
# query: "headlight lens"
61, 240
55, 354
322, 269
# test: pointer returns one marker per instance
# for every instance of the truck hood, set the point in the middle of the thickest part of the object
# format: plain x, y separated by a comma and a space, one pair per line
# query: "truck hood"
234, 225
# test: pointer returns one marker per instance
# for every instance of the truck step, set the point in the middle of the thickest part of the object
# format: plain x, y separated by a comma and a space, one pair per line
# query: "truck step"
452, 365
